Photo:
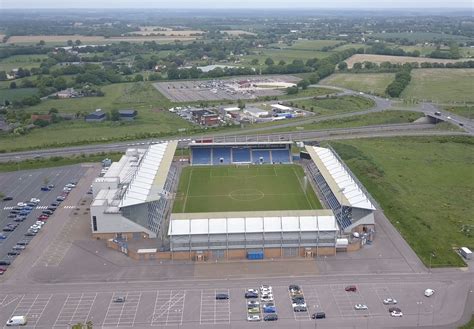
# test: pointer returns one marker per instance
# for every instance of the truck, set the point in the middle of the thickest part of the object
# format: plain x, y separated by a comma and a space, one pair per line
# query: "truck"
466, 252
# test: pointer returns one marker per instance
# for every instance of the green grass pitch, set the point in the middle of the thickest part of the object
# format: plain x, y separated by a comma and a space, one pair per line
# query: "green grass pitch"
244, 188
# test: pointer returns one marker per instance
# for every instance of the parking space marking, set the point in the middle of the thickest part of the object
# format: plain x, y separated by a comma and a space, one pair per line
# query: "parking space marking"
343, 302
122, 314
76, 308
214, 311
8, 299
312, 298
300, 316
168, 309
32, 307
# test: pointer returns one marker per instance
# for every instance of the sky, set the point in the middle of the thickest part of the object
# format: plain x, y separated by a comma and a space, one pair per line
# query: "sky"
201, 4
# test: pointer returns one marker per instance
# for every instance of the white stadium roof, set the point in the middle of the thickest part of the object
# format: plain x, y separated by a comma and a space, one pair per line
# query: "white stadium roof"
252, 222
149, 177
339, 179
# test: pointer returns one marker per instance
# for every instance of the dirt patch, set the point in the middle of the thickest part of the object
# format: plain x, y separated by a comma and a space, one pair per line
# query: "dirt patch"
360, 58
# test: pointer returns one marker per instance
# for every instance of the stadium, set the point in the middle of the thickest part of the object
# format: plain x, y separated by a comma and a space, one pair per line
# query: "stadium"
230, 200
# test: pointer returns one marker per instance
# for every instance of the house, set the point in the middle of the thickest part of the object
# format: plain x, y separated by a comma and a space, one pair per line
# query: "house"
44, 117
127, 114
96, 116
67, 93
205, 117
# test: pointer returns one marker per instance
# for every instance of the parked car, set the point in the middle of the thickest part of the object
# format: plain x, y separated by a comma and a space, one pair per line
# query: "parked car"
2, 236
43, 217
299, 308
251, 295
52, 208
13, 211
119, 299
252, 303
45, 188
30, 233
35, 200
396, 314
51, 186
253, 317
266, 298
429, 292
13, 253
23, 242
8, 229
269, 309
47, 212
270, 317
389, 301
293, 287
17, 320
222, 296
21, 204
351, 288
60, 198
7, 198
11, 216
18, 247
5, 262
318, 315
253, 310
394, 309
55, 204
360, 307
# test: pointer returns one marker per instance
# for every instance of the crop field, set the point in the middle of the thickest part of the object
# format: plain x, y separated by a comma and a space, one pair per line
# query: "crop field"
243, 188
16, 94
360, 58
24, 61
425, 186
313, 44
287, 55
441, 85
374, 83
421, 36
62, 39
328, 106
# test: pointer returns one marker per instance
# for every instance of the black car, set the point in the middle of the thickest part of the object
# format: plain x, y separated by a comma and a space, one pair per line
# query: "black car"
8, 198
52, 208
17, 208
294, 287
222, 296
19, 219
298, 300
14, 211
13, 253
23, 242
270, 317
47, 212
318, 315
30, 233
11, 216
55, 204
5, 262
394, 309
8, 229
251, 295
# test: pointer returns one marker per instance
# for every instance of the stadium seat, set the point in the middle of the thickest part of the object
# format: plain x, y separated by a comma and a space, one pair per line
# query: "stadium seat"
220, 155
201, 156
261, 156
281, 156
241, 155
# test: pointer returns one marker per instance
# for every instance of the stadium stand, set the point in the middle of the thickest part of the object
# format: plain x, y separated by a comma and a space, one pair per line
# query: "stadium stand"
280, 156
261, 156
202, 156
220, 155
241, 155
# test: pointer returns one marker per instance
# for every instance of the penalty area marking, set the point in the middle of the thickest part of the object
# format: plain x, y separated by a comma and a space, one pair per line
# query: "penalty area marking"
246, 195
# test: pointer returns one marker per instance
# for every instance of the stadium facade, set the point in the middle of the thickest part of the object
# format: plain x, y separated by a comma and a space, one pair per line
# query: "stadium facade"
133, 201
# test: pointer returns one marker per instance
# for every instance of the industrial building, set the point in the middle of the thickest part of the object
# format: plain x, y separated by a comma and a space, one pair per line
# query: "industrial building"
341, 191
272, 234
132, 198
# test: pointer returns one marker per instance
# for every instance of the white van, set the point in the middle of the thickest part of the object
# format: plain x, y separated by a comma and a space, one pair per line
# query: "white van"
429, 292
18, 320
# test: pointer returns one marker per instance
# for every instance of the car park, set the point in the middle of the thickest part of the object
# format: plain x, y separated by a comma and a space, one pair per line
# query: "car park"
253, 317
222, 296
318, 315
396, 314
389, 301
351, 288
270, 317
360, 307
429, 292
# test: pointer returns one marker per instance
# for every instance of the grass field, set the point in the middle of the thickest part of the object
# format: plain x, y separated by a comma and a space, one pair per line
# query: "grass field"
441, 85
24, 61
288, 55
243, 188
16, 94
377, 118
330, 106
374, 83
312, 45
425, 186
420, 36
465, 111
360, 58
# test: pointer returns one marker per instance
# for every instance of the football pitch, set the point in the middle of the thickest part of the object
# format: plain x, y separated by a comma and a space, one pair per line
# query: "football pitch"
244, 188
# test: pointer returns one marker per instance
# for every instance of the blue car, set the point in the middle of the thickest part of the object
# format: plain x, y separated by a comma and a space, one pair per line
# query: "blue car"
269, 309
2, 236
45, 188
28, 208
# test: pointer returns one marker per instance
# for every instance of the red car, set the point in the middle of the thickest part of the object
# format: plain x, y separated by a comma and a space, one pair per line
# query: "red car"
2, 270
43, 217
351, 288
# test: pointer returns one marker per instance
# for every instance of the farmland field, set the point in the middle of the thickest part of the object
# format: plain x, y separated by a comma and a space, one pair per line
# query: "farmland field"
238, 188
288, 55
360, 58
62, 39
24, 61
336, 105
424, 185
311, 45
374, 83
421, 36
16, 94
441, 85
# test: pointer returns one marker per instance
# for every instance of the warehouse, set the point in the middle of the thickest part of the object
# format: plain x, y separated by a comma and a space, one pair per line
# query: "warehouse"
341, 191
131, 199
235, 235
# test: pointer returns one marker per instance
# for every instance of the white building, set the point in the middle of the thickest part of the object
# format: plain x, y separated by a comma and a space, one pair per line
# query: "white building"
281, 107
255, 112
131, 199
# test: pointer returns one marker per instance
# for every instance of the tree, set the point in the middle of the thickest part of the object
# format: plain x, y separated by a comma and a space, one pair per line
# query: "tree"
254, 61
281, 62
13, 85
114, 115
241, 104
303, 84
292, 90
269, 61
3, 75
69, 43
78, 42
41, 43
53, 110
342, 66
138, 78
357, 66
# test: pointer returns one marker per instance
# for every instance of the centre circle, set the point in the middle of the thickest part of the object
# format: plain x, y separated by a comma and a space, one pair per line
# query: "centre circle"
246, 195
